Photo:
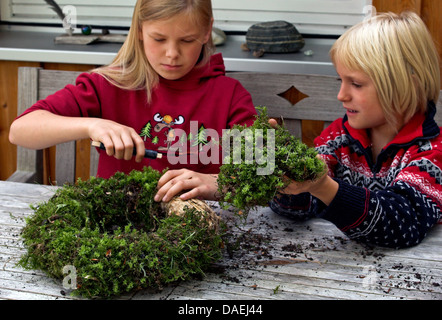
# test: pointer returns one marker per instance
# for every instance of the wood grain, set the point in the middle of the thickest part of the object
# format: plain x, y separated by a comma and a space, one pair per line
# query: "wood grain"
8, 112
275, 259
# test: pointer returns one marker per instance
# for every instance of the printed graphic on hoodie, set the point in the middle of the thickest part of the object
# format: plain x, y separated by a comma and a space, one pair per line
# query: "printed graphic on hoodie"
163, 133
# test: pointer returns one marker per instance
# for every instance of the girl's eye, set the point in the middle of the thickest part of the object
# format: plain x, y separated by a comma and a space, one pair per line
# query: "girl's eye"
188, 40
356, 85
159, 40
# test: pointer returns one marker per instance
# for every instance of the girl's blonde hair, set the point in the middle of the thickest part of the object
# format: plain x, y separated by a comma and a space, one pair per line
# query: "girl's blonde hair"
398, 54
130, 70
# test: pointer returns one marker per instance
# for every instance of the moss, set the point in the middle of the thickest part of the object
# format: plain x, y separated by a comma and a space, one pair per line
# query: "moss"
117, 238
240, 184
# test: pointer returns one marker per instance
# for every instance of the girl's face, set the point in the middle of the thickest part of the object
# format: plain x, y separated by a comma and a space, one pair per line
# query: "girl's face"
359, 97
173, 46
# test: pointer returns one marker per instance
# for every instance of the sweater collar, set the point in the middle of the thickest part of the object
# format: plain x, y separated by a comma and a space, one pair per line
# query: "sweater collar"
421, 126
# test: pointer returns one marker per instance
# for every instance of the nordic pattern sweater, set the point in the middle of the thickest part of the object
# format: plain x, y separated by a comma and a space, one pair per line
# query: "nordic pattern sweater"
392, 202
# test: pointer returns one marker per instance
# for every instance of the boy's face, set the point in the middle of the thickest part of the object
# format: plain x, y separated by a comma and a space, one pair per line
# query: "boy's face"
359, 97
173, 46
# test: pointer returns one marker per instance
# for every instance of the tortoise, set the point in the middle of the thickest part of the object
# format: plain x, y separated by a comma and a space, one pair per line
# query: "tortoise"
273, 37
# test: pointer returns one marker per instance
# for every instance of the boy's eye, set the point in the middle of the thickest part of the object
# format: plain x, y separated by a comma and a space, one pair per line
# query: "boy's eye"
355, 84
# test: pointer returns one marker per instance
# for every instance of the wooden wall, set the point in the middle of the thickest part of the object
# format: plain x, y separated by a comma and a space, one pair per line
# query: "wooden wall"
8, 112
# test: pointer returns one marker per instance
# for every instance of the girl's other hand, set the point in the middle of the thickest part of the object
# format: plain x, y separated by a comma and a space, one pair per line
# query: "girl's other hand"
199, 185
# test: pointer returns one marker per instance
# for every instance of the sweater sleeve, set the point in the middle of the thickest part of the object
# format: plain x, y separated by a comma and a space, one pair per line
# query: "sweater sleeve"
398, 216
401, 213
296, 207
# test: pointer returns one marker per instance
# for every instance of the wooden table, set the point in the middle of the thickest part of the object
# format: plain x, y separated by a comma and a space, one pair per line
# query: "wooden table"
278, 259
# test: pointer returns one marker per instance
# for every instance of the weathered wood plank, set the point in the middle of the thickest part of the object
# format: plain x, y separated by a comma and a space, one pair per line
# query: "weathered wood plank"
51, 81
278, 259
30, 284
65, 163
321, 103
26, 190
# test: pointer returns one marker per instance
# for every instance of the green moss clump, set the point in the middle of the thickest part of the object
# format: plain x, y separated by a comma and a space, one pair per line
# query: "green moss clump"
240, 185
117, 238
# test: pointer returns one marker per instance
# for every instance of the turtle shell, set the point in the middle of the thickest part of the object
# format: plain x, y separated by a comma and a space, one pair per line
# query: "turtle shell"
274, 37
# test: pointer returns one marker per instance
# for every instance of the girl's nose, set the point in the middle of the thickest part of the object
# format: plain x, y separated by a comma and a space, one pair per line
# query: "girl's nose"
172, 51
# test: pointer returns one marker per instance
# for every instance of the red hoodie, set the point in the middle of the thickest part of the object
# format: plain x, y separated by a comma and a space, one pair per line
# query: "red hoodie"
180, 114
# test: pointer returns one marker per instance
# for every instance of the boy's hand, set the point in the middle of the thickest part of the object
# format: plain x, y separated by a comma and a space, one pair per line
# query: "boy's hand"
324, 188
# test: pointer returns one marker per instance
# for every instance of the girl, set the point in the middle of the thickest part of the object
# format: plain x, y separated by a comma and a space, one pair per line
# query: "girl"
384, 157
163, 81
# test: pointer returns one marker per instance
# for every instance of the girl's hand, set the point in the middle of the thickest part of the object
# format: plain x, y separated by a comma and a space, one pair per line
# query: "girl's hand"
119, 140
199, 185
42, 129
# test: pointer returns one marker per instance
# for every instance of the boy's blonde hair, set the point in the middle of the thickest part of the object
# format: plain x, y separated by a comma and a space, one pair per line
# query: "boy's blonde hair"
399, 55
130, 70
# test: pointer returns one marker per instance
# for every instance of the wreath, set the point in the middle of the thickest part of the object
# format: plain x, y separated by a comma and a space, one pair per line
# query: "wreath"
117, 238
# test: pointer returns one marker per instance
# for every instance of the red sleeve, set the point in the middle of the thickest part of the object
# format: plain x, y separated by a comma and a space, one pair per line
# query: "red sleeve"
242, 110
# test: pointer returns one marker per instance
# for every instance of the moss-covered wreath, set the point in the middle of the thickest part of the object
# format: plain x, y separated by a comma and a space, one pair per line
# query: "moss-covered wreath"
118, 238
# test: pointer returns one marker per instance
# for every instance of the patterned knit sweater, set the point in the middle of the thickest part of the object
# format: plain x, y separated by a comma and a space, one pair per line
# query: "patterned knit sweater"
392, 202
